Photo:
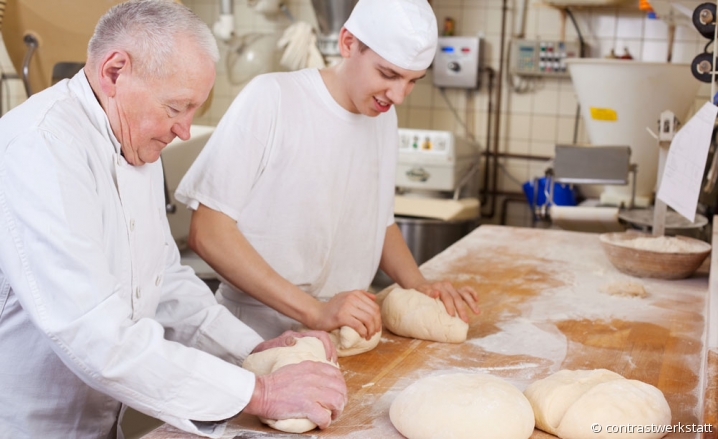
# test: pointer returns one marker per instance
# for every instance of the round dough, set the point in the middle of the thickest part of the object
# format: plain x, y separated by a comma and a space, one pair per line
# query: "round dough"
266, 362
348, 342
569, 402
413, 314
461, 406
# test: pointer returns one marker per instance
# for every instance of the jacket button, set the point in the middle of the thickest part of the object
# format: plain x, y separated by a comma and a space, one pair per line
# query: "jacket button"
158, 280
137, 292
132, 225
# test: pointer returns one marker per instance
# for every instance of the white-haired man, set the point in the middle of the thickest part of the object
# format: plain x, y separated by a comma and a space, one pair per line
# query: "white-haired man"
293, 194
95, 310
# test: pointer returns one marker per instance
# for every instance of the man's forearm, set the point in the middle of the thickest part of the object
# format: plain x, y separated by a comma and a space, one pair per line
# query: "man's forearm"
214, 237
397, 261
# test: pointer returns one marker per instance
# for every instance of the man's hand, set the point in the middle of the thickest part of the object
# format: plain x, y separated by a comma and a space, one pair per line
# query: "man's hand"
289, 338
356, 309
454, 300
309, 389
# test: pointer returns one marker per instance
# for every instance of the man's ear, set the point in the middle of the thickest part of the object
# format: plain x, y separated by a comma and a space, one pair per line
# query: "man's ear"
346, 39
113, 65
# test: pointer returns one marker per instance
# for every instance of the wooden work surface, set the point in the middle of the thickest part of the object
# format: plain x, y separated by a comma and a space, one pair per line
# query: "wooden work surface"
543, 310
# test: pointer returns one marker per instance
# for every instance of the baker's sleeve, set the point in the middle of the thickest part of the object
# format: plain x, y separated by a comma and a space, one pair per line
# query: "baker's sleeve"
191, 315
52, 251
236, 154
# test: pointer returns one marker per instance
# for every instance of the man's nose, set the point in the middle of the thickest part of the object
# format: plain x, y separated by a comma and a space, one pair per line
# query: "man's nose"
181, 127
398, 91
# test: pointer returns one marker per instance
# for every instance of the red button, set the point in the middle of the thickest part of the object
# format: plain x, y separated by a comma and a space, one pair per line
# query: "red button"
466, 50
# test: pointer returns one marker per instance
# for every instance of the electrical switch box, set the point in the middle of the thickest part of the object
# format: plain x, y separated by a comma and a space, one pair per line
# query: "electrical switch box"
542, 58
457, 62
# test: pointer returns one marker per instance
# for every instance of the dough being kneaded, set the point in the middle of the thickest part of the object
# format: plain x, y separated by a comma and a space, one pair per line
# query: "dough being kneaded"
411, 313
266, 362
348, 342
570, 402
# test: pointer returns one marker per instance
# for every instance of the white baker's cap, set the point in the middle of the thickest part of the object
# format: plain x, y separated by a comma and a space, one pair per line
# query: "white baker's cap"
402, 32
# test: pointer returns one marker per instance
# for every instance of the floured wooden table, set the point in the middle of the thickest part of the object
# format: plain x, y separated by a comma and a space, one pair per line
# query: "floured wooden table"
543, 309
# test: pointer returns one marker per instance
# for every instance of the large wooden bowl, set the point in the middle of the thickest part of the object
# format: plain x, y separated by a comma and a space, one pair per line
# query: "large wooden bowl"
648, 263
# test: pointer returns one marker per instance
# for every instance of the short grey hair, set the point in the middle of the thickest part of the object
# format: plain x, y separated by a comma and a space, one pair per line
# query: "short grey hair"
149, 31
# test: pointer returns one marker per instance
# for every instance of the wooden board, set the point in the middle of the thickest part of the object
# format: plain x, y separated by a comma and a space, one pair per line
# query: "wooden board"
543, 310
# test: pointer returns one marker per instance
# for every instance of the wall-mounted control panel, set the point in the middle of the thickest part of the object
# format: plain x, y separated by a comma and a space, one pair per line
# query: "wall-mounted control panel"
457, 62
542, 58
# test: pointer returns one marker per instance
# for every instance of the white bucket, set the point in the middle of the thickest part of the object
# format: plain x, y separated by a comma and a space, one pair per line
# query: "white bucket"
620, 99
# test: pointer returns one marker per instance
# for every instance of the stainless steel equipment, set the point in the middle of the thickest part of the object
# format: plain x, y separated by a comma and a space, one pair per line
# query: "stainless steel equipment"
331, 16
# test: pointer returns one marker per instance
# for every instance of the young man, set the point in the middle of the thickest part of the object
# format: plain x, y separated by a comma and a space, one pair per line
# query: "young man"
95, 310
293, 194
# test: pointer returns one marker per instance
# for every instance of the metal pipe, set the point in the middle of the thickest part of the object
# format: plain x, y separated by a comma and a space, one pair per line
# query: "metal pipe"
31, 43
483, 197
226, 7
497, 119
518, 156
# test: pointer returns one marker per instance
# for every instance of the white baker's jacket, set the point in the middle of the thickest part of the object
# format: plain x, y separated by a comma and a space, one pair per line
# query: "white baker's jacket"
95, 309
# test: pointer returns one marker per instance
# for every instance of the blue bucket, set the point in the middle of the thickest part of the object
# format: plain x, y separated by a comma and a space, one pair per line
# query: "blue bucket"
563, 194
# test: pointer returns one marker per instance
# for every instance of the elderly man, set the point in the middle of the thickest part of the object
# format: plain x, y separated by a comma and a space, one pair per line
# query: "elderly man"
293, 194
95, 309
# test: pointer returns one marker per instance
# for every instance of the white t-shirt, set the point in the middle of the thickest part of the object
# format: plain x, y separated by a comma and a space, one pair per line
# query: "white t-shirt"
95, 309
310, 184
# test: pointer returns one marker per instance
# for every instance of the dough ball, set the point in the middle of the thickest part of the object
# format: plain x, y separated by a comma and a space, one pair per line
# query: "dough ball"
413, 314
569, 402
461, 406
266, 362
348, 342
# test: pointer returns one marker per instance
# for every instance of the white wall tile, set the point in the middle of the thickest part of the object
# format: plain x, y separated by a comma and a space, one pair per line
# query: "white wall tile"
516, 126
655, 51
402, 115
520, 102
542, 148
473, 20
567, 102
543, 128
419, 118
655, 29
603, 25
493, 21
565, 130
629, 26
548, 23
546, 101
514, 146
444, 120
421, 96
512, 176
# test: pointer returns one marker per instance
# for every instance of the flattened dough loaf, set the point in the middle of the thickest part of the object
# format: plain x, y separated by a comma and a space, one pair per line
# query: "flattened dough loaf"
568, 402
265, 362
413, 314
348, 342
462, 406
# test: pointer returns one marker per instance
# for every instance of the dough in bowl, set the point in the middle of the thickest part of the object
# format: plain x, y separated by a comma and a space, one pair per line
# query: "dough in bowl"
570, 402
266, 362
462, 406
413, 314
